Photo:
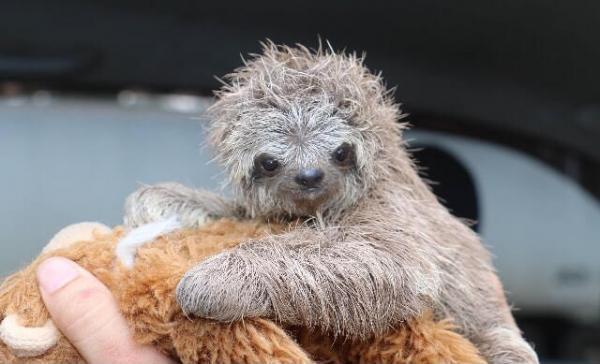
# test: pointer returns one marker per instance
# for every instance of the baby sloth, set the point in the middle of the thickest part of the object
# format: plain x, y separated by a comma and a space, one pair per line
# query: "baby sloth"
314, 136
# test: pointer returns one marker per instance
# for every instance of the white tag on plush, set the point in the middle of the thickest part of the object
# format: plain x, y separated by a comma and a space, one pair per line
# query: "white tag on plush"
127, 247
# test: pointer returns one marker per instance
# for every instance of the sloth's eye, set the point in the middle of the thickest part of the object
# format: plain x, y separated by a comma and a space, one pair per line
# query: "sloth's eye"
343, 154
267, 164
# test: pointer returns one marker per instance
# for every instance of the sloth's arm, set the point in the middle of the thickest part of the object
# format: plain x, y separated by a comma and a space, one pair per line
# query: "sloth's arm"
192, 207
484, 316
351, 287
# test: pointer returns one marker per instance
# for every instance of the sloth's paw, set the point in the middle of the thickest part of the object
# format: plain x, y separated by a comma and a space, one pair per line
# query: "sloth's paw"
223, 288
506, 346
158, 202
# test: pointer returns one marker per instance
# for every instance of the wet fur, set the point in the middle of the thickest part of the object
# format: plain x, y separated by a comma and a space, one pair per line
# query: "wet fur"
377, 250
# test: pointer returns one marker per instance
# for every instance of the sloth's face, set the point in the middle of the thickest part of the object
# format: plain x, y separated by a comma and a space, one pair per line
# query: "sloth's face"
304, 170
299, 160
304, 133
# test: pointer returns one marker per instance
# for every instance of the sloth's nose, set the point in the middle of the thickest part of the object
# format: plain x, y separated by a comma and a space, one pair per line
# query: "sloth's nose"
310, 177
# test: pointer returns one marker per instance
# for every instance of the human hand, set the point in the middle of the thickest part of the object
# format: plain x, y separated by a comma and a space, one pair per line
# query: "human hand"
85, 311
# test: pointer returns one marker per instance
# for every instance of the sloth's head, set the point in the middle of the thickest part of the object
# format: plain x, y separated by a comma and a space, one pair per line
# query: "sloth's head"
303, 132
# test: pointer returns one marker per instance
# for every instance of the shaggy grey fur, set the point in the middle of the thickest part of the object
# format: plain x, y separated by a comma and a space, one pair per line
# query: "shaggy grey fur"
375, 246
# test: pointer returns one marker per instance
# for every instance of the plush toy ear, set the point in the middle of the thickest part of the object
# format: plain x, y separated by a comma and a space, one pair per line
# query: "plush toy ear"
25, 342
75, 233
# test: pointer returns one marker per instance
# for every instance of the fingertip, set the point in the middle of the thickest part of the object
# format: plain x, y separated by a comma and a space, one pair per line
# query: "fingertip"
55, 273
79, 304
85, 311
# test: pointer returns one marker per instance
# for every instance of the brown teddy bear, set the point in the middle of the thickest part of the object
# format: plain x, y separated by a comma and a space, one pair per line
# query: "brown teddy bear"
146, 295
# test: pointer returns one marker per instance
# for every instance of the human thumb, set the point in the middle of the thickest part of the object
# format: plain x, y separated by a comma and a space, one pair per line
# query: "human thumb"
85, 311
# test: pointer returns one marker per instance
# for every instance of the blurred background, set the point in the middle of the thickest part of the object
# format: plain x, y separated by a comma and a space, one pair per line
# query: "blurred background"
504, 98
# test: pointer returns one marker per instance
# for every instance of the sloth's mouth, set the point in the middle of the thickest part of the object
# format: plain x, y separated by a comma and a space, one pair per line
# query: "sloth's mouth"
310, 193
309, 199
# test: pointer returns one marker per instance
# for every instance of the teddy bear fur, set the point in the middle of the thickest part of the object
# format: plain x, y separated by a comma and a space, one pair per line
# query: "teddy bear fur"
146, 296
